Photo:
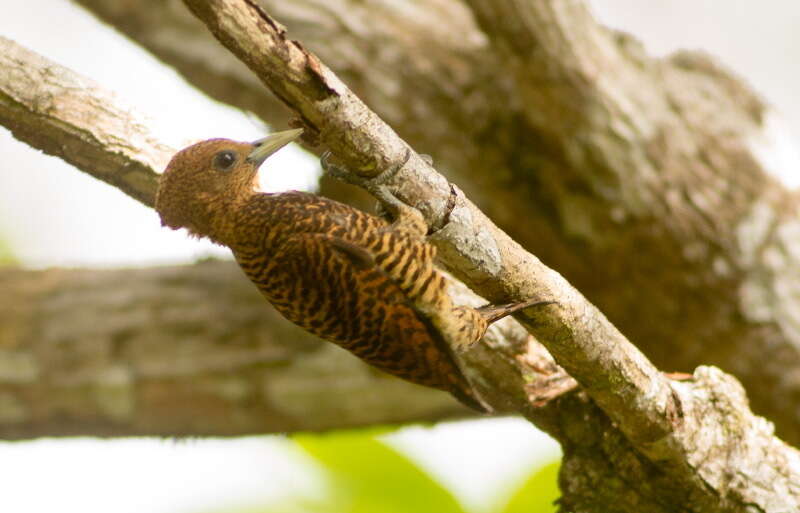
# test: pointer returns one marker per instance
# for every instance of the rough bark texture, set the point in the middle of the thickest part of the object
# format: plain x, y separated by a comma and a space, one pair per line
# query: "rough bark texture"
68, 116
729, 461
633, 440
634, 175
90, 353
191, 350
694, 434
195, 350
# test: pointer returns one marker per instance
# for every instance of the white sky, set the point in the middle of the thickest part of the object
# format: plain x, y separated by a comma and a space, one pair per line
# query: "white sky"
48, 214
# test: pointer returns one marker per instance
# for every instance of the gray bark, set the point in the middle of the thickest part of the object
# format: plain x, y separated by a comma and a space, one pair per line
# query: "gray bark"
634, 175
191, 350
154, 351
692, 436
634, 440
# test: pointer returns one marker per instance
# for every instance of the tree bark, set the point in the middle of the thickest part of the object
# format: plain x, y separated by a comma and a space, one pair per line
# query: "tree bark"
691, 436
71, 117
153, 352
635, 176
729, 461
676, 446
190, 350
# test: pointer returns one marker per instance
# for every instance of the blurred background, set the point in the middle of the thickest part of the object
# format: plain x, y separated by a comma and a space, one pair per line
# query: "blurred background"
48, 217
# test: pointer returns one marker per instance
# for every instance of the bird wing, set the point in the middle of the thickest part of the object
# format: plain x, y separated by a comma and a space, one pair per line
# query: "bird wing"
334, 288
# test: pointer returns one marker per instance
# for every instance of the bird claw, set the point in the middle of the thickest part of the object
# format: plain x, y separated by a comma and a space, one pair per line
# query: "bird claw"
403, 216
335, 170
370, 184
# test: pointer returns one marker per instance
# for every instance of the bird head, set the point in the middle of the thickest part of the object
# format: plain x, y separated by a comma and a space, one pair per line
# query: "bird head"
205, 181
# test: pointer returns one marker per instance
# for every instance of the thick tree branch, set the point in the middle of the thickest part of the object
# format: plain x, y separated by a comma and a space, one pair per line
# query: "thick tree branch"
635, 176
191, 350
725, 458
582, 340
655, 159
662, 421
715, 457
154, 351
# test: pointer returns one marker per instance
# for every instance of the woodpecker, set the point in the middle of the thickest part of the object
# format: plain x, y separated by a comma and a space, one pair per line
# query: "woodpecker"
349, 277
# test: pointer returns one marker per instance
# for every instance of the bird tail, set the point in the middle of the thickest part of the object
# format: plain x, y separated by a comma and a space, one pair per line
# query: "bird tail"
492, 313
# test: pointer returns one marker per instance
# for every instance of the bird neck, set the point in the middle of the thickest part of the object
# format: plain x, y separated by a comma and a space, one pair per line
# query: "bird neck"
219, 221
250, 223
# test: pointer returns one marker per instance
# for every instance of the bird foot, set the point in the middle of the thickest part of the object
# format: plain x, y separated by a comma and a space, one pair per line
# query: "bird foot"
335, 170
403, 216
369, 184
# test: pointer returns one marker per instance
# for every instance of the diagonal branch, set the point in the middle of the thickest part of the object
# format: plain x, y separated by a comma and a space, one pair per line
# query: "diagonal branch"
634, 175
72, 118
152, 351
582, 340
662, 422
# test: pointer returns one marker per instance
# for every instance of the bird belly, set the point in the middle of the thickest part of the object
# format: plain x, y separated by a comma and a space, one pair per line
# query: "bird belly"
362, 311
369, 320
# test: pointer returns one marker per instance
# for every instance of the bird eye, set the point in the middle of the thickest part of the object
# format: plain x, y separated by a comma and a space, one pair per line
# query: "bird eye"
224, 160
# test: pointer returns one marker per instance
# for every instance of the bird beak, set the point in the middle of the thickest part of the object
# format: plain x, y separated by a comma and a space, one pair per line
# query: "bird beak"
265, 147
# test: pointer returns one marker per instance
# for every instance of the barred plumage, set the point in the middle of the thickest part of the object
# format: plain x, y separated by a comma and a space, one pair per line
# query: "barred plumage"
347, 276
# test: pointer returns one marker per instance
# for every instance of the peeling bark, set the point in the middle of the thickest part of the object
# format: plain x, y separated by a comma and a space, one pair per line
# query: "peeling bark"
732, 462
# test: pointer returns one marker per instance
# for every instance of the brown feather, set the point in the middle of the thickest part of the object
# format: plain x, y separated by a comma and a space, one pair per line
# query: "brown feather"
342, 274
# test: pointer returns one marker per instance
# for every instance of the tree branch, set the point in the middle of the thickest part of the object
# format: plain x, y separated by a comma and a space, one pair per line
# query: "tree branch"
620, 164
656, 160
190, 350
70, 117
139, 352
663, 422
485, 258
716, 456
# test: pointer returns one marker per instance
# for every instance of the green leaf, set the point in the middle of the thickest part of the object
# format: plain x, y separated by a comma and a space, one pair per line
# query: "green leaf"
538, 493
369, 477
